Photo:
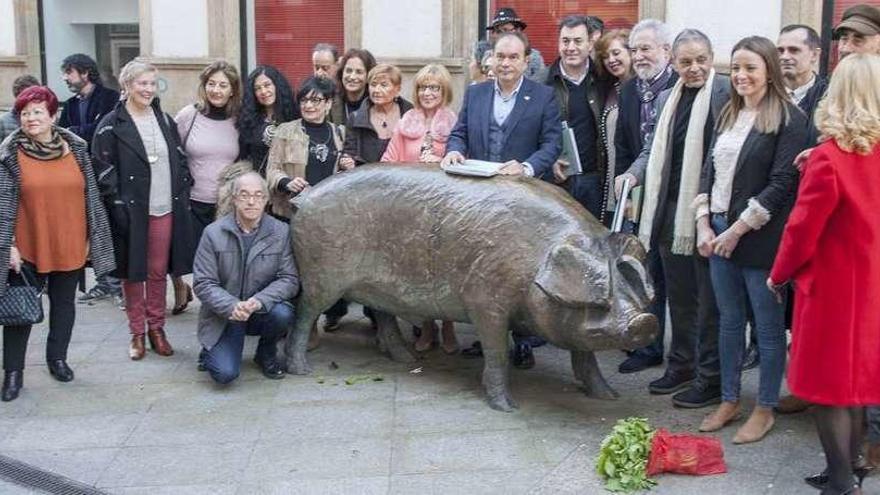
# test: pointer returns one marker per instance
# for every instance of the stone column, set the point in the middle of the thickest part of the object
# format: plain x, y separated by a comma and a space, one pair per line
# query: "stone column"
19, 45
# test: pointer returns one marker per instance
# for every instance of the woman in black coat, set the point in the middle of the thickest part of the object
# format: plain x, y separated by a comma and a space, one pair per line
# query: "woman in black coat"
145, 180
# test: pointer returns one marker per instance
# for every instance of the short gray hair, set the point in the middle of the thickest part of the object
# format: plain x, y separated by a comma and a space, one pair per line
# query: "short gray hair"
691, 35
236, 184
133, 70
661, 31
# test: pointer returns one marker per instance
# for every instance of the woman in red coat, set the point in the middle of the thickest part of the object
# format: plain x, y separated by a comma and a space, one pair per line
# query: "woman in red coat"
830, 249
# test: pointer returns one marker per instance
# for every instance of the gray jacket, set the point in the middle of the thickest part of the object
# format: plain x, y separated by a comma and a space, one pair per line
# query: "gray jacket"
222, 277
8, 124
720, 95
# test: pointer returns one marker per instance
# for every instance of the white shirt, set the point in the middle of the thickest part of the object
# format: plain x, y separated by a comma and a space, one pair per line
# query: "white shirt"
726, 154
798, 94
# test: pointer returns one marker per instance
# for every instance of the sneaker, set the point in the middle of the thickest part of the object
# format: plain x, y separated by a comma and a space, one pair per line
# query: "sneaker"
96, 293
698, 395
638, 362
670, 382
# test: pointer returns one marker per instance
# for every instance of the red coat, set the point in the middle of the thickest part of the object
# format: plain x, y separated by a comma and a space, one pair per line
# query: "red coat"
831, 249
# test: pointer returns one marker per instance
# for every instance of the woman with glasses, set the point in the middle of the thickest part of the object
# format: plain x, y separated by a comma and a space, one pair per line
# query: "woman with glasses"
144, 176
305, 151
421, 136
371, 127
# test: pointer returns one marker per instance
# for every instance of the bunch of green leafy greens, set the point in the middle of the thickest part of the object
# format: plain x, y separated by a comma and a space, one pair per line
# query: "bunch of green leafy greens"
624, 456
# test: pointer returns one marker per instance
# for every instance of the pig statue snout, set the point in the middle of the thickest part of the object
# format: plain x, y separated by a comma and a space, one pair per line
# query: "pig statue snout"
641, 330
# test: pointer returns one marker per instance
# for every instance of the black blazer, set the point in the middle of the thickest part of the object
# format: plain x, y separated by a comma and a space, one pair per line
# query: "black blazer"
101, 102
765, 172
628, 138
809, 104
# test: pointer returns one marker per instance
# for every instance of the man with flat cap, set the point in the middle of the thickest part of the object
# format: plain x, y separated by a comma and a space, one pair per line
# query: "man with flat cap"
506, 21
858, 31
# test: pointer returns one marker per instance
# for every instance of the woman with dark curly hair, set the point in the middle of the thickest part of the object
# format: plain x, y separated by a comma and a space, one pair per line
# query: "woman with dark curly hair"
268, 101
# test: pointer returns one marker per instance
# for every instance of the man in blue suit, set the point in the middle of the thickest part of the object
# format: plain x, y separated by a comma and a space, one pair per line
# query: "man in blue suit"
512, 120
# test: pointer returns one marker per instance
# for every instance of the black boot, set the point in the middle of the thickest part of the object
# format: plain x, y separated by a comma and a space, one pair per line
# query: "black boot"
59, 370
12, 382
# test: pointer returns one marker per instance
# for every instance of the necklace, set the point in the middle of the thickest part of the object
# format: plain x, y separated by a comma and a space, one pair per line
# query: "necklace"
154, 157
320, 150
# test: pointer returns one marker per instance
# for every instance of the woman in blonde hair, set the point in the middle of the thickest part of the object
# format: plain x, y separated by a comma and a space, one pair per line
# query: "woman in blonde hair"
835, 351
747, 189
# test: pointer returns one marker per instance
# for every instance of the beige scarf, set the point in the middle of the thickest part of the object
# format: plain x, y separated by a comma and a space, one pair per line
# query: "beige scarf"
684, 237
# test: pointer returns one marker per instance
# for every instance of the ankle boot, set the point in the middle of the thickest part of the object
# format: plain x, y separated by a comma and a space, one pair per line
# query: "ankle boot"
159, 343
12, 382
136, 348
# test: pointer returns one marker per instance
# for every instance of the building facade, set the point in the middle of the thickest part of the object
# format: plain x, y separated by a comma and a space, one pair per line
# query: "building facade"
182, 36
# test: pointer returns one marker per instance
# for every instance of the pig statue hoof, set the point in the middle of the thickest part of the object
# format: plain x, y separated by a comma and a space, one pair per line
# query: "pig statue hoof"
298, 366
599, 392
586, 370
400, 354
503, 403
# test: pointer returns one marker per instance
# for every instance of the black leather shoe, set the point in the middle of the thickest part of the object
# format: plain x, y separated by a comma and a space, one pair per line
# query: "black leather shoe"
698, 395
522, 356
59, 370
638, 362
271, 368
752, 358
670, 383
12, 382
819, 481
201, 362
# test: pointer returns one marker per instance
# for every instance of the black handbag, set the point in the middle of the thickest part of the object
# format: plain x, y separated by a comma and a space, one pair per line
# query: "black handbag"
21, 304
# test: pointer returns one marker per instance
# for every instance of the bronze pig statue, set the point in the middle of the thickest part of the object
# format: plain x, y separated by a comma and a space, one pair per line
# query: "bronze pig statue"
502, 253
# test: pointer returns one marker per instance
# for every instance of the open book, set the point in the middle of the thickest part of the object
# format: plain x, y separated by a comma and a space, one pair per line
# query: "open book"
476, 168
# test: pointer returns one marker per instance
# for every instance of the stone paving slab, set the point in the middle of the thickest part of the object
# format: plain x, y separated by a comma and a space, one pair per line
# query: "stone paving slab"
161, 427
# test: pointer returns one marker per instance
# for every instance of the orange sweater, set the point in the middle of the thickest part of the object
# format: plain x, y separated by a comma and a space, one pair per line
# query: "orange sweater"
51, 228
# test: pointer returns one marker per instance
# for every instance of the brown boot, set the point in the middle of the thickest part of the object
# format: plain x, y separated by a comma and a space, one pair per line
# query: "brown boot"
159, 343
791, 405
726, 413
756, 428
136, 348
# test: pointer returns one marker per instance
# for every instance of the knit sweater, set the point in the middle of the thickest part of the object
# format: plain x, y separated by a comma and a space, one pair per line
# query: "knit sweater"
210, 145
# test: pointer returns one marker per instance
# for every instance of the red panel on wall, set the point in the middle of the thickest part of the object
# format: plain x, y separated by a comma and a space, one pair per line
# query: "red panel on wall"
286, 31
542, 17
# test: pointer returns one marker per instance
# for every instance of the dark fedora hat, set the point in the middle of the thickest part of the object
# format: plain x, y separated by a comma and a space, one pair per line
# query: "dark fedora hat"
506, 15
863, 19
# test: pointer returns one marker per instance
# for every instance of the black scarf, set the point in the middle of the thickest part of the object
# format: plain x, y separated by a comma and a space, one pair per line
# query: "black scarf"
39, 150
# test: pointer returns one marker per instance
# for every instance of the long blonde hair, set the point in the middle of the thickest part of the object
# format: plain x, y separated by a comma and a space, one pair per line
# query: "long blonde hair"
772, 110
850, 111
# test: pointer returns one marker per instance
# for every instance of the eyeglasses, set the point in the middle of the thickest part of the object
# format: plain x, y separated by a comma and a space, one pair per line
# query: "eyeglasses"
433, 88
246, 196
314, 100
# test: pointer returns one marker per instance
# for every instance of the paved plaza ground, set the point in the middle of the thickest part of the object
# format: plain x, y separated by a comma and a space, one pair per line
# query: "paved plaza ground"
161, 427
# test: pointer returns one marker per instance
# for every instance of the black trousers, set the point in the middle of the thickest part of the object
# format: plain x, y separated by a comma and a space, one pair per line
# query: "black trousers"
62, 313
692, 309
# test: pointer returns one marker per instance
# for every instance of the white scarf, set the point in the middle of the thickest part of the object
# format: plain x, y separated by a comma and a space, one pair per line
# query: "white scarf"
684, 237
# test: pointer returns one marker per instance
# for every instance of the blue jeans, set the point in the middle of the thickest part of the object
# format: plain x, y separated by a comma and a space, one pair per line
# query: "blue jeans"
223, 361
735, 287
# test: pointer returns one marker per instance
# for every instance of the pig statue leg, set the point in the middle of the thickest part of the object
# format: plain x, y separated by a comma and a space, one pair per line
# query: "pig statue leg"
586, 369
390, 339
495, 366
298, 338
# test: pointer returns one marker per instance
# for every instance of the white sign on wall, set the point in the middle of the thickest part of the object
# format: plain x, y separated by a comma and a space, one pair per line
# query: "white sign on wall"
7, 28
725, 23
392, 28
180, 28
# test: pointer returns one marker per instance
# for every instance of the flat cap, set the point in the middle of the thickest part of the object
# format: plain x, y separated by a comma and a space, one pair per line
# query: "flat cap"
863, 19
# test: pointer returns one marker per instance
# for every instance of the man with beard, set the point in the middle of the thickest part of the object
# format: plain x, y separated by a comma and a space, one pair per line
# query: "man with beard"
650, 45
91, 100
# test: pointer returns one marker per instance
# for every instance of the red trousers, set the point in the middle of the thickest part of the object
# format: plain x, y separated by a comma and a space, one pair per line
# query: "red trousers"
145, 301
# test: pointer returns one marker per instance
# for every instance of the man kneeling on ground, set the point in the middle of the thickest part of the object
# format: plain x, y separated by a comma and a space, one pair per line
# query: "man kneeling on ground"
244, 275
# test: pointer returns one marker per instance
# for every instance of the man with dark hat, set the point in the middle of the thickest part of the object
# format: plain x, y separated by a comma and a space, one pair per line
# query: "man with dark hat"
506, 21
858, 31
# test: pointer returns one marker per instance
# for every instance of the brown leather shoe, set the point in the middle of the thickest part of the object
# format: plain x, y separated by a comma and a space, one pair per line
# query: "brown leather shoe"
791, 405
726, 413
760, 423
159, 343
136, 348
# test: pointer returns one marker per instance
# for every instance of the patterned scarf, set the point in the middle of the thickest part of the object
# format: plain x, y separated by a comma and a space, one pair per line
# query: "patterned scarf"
648, 92
40, 150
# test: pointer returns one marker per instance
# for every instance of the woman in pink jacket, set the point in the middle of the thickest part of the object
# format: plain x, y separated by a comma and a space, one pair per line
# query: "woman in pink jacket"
421, 137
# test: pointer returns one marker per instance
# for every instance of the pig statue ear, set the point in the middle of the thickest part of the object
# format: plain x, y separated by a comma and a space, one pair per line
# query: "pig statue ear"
631, 259
574, 278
